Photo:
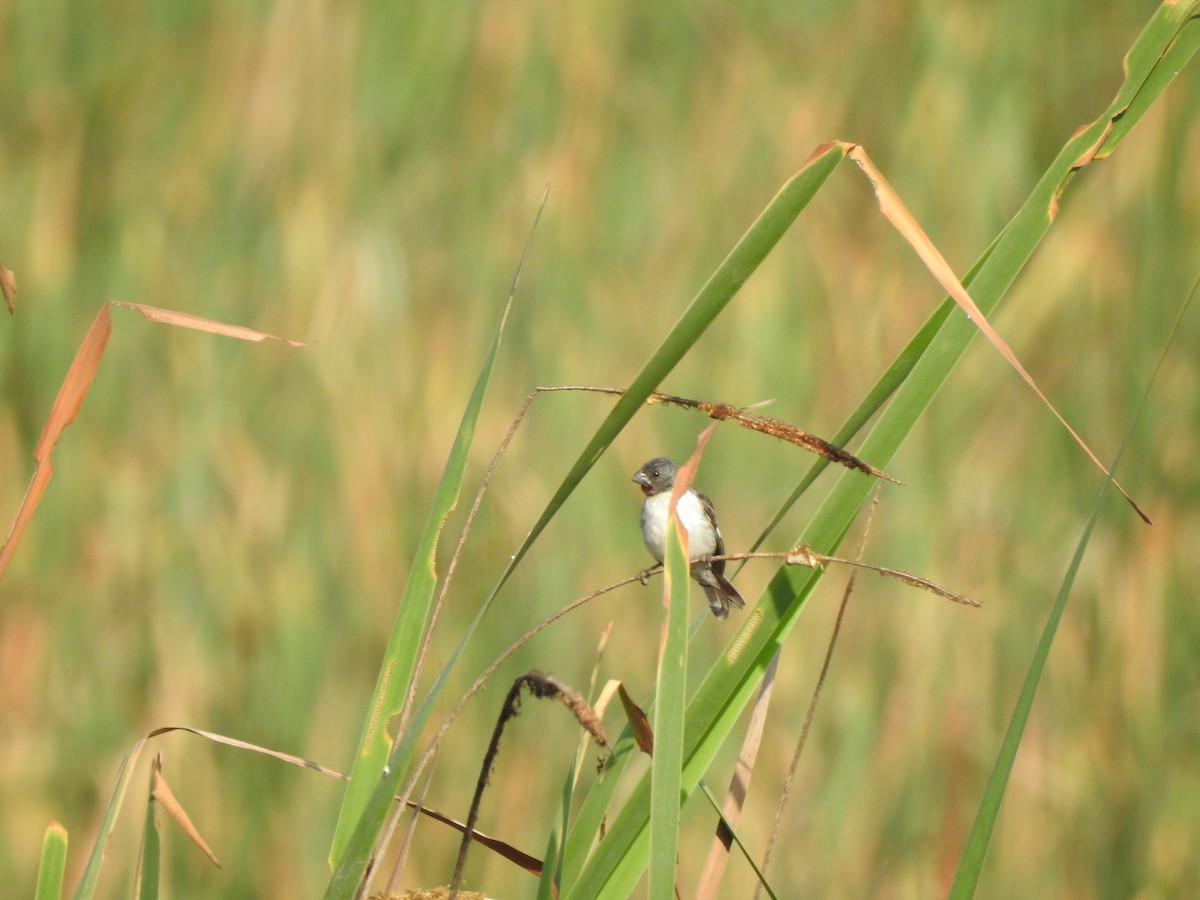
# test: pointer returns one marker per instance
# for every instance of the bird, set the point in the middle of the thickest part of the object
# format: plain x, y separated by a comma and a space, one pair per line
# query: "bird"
695, 511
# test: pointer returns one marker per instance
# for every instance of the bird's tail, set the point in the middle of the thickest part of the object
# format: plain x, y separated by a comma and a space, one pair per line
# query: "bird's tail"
722, 595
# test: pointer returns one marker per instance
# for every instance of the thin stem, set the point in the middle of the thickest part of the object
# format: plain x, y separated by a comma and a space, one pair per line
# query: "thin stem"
487, 673
812, 704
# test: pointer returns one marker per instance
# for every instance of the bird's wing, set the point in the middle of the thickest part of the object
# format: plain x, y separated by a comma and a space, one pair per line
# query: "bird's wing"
718, 565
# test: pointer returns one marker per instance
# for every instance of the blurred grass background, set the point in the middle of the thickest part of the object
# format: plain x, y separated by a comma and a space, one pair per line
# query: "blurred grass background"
230, 525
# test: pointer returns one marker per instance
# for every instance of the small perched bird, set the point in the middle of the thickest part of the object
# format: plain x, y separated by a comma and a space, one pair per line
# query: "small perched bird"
695, 511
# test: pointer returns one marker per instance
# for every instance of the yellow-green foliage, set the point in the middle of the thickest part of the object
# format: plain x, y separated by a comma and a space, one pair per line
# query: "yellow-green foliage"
229, 527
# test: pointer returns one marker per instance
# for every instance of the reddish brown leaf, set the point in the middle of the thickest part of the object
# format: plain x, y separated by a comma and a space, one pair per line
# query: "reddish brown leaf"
525, 860
8, 286
643, 732
75, 387
62, 413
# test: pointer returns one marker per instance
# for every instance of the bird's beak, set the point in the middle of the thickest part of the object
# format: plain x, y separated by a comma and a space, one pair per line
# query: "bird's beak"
643, 481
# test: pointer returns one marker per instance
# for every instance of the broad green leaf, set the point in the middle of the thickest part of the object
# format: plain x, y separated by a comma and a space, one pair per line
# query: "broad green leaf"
1164, 47
591, 814
400, 658
53, 863
668, 721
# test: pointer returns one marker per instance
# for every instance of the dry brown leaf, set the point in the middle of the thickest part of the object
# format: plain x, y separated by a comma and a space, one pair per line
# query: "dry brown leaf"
8, 286
526, 861
687, 474
739, 786
1089, 154
508, 851
897, 213
162, 792
683, 481
803, 556
75, 387
513, 854
199, 323
62, 413
785, 431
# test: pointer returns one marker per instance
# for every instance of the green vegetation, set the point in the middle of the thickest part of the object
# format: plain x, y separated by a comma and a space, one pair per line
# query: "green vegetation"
231, 526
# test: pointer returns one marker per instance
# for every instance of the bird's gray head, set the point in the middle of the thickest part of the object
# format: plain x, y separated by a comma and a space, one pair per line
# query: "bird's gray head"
656, 476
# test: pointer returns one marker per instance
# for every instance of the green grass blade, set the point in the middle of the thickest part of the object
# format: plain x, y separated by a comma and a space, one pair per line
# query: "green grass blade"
871, 404
588, 819
86, 888
401, 654
749, 252
1160, 60
552, 866
349, 872
745, 257
53, 863
730, 275
671, 690
545, 889
970, 865
887, 384
619, 860
151, 851
747, 857
400, 658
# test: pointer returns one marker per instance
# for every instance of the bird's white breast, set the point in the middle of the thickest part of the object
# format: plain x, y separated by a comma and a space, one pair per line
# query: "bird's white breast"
702, 537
